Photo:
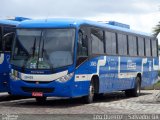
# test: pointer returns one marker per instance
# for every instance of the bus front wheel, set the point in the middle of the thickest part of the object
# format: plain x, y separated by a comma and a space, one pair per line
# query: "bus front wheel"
41, 100
89, 98
135, 92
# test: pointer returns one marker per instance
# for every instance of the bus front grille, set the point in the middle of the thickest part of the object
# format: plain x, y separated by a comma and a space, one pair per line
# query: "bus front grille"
44, 90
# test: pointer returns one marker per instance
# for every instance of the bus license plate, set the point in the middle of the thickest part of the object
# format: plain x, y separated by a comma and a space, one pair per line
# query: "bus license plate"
37, 94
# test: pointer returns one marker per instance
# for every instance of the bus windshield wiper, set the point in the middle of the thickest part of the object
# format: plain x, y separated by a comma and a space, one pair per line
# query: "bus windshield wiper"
39, 47
42, 48
34, 47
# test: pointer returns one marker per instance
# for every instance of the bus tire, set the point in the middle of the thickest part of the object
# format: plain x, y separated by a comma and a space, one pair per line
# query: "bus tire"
89, 98
9, 93
41, 100
99, 96
135, 92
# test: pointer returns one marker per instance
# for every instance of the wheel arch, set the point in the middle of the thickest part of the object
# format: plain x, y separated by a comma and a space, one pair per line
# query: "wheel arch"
140, 76
95, 80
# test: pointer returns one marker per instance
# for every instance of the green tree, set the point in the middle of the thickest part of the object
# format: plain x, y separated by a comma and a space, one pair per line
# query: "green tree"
156, 29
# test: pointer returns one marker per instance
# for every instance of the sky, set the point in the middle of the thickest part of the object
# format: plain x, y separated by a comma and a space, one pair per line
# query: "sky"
141, 15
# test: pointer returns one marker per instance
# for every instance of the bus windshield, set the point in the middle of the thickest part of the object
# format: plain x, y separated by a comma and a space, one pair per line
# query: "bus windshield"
43, 48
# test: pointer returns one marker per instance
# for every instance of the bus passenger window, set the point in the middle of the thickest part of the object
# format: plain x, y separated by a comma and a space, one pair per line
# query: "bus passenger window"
82, 44
147, 47
97, 41
140, 46
110, 43
122, 44
154, 48
132, 42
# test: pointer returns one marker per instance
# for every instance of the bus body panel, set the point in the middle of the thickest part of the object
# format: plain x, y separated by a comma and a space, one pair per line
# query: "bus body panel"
70, 88
118, 73
115, 73
150, 74
6, 26
25, 88
4, 71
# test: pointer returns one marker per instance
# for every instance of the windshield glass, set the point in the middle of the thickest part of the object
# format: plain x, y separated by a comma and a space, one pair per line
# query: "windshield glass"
43, 48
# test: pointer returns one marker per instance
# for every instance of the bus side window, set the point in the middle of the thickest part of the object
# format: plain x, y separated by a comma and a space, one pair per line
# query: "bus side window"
7, 42
8, 38
97, 40
148, 47
132, 42
122, 44
82, 44
110, 38
154, 48
141, 46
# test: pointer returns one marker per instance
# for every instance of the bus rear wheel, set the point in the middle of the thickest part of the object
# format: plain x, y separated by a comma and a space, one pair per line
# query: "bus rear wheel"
41, 100
135, 92
89, 98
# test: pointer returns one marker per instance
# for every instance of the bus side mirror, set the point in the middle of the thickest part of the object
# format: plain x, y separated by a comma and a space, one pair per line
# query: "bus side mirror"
8, 35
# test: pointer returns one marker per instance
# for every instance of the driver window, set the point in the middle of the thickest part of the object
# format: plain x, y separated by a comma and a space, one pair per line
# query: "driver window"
8, 38
8, 43
82, 43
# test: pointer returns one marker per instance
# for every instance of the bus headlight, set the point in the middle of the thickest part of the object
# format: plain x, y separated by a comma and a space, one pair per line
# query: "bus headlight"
65, 78
14, 75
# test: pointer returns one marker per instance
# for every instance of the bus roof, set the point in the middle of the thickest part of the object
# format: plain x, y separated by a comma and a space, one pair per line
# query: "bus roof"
69, 22
9, 22
14, 21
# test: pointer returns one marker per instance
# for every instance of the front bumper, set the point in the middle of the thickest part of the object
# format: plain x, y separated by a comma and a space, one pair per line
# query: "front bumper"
53, 88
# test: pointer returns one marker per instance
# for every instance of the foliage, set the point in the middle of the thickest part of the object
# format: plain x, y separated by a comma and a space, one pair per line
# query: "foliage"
156, 29
159, 73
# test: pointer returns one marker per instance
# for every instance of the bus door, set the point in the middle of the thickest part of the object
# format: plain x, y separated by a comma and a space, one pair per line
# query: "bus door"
5, 51
82, 55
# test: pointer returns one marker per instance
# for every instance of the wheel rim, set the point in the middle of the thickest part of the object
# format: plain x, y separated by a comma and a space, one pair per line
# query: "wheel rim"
91, 92
138, 88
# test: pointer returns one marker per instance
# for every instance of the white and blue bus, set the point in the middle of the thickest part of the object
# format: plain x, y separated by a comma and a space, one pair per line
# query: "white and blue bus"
75, 58
7, 31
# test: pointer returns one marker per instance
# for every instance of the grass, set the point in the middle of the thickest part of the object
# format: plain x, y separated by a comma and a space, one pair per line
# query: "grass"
156, 86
